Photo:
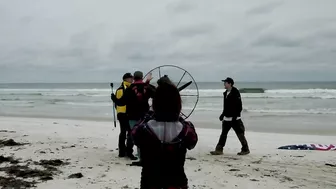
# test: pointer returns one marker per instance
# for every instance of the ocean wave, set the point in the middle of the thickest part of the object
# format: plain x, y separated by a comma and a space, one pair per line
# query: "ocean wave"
278, 93
203, 93
97, 104
268, 111
297, 111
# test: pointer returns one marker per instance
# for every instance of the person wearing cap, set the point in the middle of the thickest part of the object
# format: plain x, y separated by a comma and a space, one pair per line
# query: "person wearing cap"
136, 98
231, 118
125, 129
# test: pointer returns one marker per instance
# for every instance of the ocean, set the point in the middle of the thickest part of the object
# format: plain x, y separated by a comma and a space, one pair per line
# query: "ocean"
280, 102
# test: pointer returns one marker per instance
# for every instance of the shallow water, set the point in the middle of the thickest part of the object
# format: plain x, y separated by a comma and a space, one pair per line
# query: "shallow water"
284, 106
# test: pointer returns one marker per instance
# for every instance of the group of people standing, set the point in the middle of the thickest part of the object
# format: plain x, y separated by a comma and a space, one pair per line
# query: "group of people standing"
161, 135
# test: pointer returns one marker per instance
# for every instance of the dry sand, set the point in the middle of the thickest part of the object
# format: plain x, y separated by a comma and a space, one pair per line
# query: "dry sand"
89, 148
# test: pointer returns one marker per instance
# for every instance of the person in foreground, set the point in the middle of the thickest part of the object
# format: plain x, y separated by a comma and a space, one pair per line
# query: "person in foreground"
231, 118
125, 129
164, 138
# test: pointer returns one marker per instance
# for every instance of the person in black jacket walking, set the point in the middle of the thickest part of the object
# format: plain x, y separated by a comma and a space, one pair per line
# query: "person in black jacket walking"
231, 118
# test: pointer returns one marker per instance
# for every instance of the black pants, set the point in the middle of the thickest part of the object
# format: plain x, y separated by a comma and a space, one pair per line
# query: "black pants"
239, 128
125, 136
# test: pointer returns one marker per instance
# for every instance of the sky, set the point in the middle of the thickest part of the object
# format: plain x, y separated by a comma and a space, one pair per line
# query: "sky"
98, 41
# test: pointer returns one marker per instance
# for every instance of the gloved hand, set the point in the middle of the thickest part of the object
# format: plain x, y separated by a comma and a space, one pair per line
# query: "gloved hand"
221, 117
113, 97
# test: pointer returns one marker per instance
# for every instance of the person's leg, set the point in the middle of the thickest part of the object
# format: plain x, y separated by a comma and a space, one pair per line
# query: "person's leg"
226, 126
129, 143
122, 135
132, 124
239, 128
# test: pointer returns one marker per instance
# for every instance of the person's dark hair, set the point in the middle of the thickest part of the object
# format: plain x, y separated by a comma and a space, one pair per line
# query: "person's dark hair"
167, 103
164, 79
138, 75
127, 76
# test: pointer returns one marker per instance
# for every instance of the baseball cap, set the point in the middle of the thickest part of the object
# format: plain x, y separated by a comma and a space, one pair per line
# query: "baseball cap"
138, 74
127, 75
228, 80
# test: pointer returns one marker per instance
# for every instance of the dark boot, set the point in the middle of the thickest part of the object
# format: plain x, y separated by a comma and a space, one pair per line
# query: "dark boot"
218, 150
132, 157
245, 148
136, 163
243, 152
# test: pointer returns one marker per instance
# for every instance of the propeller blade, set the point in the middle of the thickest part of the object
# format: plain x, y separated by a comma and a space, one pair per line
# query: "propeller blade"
184, 86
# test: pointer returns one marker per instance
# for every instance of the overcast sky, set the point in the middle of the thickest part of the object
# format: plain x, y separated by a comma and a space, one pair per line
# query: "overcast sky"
99, 40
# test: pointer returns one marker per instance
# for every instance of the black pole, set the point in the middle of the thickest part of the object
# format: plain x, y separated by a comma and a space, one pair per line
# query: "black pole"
114, 116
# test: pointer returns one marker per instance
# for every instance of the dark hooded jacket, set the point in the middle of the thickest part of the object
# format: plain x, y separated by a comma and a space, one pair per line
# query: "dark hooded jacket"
163, 148
232, 103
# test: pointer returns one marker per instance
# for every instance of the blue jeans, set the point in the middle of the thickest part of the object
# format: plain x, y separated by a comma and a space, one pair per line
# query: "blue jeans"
132, 124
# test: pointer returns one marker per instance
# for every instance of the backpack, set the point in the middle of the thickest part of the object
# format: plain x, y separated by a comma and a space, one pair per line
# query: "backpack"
140, 91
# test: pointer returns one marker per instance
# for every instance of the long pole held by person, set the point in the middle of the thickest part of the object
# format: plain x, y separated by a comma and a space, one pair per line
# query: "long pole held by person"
113, 108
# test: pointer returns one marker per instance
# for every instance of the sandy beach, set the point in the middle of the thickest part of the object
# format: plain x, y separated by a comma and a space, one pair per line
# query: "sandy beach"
90, 148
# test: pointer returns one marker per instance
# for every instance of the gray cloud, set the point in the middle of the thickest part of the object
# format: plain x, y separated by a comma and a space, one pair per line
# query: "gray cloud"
181, 6
74, 41
280, 41
195, 30
264, 9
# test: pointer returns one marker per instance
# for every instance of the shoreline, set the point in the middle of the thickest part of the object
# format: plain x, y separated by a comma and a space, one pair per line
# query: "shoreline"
90, 148
252, 124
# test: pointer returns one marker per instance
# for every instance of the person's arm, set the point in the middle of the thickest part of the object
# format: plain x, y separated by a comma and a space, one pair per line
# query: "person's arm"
221, 117
149, 78
238, 105
152, 89
191, 138
121, 98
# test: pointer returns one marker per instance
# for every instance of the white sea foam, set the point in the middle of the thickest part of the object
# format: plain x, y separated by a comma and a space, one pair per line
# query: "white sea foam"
277, 93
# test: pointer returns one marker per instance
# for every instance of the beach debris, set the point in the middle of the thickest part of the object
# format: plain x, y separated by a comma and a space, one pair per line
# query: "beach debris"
10, 142
331, 165
298, 186
232, 158
242, 175
234, 170
24, 171
6, 131
298, 156
72, 146
75, 175
285, 178
257, 162
8, 159
11, 182
191, 158
51, 165
254, 180
125, 187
